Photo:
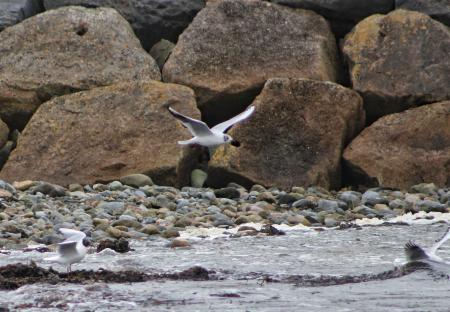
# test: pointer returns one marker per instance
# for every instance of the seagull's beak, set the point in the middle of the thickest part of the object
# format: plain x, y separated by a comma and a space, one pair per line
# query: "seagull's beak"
235, 143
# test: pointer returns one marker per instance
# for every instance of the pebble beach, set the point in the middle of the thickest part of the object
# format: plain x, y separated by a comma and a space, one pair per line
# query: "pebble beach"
31, 212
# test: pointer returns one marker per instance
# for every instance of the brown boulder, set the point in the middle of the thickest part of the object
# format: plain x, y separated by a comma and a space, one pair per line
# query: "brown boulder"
4, 133
233, 46
398, 61
103, 134
63, 51
294, 137
404, 149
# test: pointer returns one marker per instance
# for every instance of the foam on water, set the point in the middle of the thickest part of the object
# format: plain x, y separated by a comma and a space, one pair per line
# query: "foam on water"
195, 233
419, 218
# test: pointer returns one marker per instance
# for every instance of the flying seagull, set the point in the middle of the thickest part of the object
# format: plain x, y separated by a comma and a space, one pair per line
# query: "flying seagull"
211, 138
416, 253
71, 250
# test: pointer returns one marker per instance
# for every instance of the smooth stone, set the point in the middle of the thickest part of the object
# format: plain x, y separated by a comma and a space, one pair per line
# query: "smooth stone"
227, 192
162, 201
288, 199
229, 213
116, 186
182, 203
424, 188
170, 233
150, 229
255, 218
24, 185
429, 205
6, 186
330, 222
227, 202
121, 245
267, 197
49, 189
160, 51
397, 204
198, 178
99, 187
127, 223
372, 198
183, 222
364, 210
213, 209
112, 208
75, 187
78, 195
352, 198
4, 216
221, 220
178, 242
5, 194
298, 219
209, 196
258, 188
241, 220
136, 180
304, 203
327, 205
298, 189
98, 235
116, 232
139, 193
149, 220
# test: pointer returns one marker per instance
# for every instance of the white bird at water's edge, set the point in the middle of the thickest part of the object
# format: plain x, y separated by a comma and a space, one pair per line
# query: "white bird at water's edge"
210, 137
70, 250
416, 253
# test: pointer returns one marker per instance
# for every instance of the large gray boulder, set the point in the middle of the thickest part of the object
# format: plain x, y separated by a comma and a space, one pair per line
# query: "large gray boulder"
403, 149
152, 20
104, 134
63, 51
342, 14
398, 61
15, 11
233, 46
295, 137
437, 9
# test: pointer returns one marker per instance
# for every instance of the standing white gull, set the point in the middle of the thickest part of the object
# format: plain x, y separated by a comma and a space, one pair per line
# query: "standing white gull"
70, 250
210, 137
416, 253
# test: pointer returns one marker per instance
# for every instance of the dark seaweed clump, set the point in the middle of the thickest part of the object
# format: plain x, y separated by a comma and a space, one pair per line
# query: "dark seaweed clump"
14, 276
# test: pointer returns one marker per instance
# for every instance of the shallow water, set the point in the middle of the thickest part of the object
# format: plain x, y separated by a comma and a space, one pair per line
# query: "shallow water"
240, 263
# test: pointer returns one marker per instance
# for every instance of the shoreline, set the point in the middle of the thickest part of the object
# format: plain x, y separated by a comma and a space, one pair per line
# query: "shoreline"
31, 212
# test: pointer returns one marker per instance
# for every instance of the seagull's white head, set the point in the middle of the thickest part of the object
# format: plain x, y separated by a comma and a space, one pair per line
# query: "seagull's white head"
227, 139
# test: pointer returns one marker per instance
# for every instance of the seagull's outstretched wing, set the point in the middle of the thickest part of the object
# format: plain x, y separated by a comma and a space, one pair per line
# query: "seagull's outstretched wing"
67, 249
196, 127
224, 126
440, 241
414, 252
72, 235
